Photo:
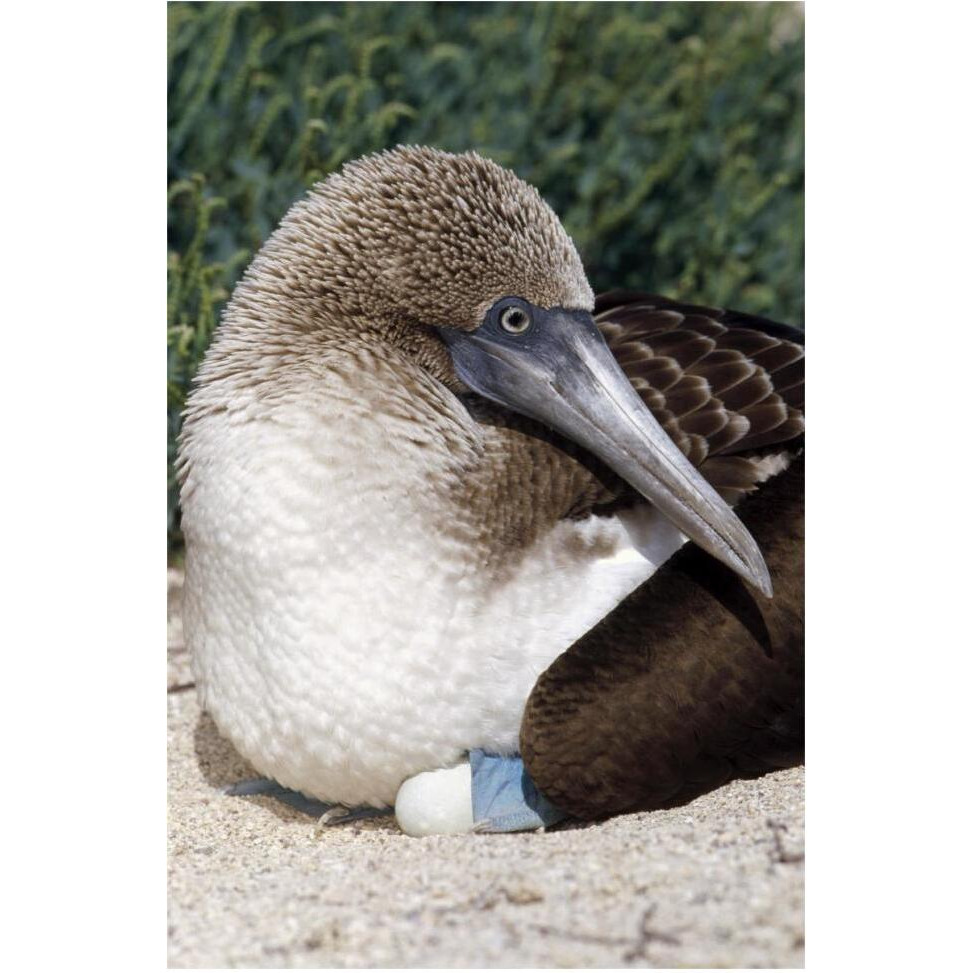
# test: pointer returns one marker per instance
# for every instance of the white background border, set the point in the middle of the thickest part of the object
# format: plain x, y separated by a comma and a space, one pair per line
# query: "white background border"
888, 317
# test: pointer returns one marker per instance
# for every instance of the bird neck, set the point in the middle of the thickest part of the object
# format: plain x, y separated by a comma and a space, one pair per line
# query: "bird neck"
385, 389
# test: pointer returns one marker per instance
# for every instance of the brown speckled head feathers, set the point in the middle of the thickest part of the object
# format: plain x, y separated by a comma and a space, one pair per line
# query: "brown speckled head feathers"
419, 236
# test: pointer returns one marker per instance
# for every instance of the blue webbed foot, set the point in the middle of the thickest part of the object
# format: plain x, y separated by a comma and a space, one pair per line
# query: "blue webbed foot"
487, 793
505, 798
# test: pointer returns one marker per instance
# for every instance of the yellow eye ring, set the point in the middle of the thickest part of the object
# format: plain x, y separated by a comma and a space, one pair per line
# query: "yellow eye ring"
514, 319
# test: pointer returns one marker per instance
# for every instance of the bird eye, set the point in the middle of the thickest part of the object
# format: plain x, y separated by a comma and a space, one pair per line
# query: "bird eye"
514, 320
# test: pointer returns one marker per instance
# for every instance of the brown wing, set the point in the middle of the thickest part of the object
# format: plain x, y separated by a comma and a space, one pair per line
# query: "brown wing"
727, 387
688, 682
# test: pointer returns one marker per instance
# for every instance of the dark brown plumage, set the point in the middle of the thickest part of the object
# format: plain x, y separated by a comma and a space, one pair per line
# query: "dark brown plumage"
727, 387
694, 678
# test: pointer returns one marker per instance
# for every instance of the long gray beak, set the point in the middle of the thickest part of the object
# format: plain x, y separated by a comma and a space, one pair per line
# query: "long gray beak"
561, 373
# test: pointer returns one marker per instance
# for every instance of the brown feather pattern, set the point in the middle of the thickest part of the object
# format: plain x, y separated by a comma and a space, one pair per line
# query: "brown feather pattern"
721, 383
690, 681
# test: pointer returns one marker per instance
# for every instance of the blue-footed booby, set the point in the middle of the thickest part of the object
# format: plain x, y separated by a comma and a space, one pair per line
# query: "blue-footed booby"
425, 479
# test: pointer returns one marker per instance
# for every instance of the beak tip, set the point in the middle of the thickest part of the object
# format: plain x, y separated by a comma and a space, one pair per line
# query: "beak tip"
761, 580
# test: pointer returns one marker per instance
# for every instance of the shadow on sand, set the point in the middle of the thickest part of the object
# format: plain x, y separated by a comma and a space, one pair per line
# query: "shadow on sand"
222, 766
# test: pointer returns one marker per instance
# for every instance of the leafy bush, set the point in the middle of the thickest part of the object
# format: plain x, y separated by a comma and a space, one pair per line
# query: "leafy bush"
668, 136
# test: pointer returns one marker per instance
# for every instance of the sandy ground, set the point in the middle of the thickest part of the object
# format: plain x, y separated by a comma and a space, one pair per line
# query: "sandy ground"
717, 883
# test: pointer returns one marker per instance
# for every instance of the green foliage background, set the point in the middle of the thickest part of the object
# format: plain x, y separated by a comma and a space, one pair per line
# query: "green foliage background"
668, 136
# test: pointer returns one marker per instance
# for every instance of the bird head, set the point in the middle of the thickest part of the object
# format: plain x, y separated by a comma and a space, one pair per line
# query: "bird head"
462, 264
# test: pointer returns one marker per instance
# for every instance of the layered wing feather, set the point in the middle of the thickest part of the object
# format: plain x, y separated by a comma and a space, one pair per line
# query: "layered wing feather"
727, 387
